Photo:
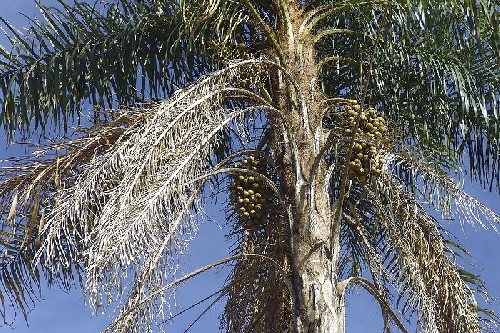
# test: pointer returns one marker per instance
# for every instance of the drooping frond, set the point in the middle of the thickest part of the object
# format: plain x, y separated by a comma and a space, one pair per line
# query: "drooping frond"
438, 188
426, 278
380, 214
134, 206
27, 191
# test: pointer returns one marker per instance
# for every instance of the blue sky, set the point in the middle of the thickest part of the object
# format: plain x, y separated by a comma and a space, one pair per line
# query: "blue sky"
65, 312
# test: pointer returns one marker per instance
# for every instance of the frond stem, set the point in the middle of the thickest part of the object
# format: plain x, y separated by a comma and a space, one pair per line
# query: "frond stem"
370, 288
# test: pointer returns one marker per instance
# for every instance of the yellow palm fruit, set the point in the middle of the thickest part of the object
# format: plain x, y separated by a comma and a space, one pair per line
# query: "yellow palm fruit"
351, 112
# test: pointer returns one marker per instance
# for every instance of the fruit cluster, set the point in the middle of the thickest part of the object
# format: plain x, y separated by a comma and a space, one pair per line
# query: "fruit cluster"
248, 196
371, 133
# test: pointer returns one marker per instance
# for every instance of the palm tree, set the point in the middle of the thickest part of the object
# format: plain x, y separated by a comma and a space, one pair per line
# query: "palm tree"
336, 130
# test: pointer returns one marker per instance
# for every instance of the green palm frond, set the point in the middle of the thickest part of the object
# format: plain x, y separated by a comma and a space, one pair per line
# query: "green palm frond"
132, 52
435, 75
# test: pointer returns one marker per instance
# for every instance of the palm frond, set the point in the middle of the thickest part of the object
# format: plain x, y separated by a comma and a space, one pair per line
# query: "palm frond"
125, 53
438, 188
435, 76
27, 191
426, 279
142, 197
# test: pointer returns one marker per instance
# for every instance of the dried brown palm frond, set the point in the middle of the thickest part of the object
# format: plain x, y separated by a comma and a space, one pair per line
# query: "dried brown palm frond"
26, 193
440, 190
428, 281
133, 208
259, 298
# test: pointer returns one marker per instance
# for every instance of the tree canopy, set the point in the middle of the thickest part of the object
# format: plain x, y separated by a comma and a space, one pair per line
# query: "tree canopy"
336, 131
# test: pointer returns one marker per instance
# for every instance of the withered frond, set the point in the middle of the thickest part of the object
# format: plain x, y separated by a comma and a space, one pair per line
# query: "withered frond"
439, 189
427, 279
133, 208
27, 190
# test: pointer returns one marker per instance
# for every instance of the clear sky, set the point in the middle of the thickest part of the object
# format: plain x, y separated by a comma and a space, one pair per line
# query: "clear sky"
61, 312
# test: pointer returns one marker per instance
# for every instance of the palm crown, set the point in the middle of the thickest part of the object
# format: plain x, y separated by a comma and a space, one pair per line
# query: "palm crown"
328, 124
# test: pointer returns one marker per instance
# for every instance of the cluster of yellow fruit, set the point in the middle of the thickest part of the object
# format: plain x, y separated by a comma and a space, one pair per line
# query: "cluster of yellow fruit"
248, 196
371, 132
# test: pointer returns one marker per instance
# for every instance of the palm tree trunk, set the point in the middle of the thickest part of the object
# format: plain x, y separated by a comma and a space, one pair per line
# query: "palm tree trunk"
320, 304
